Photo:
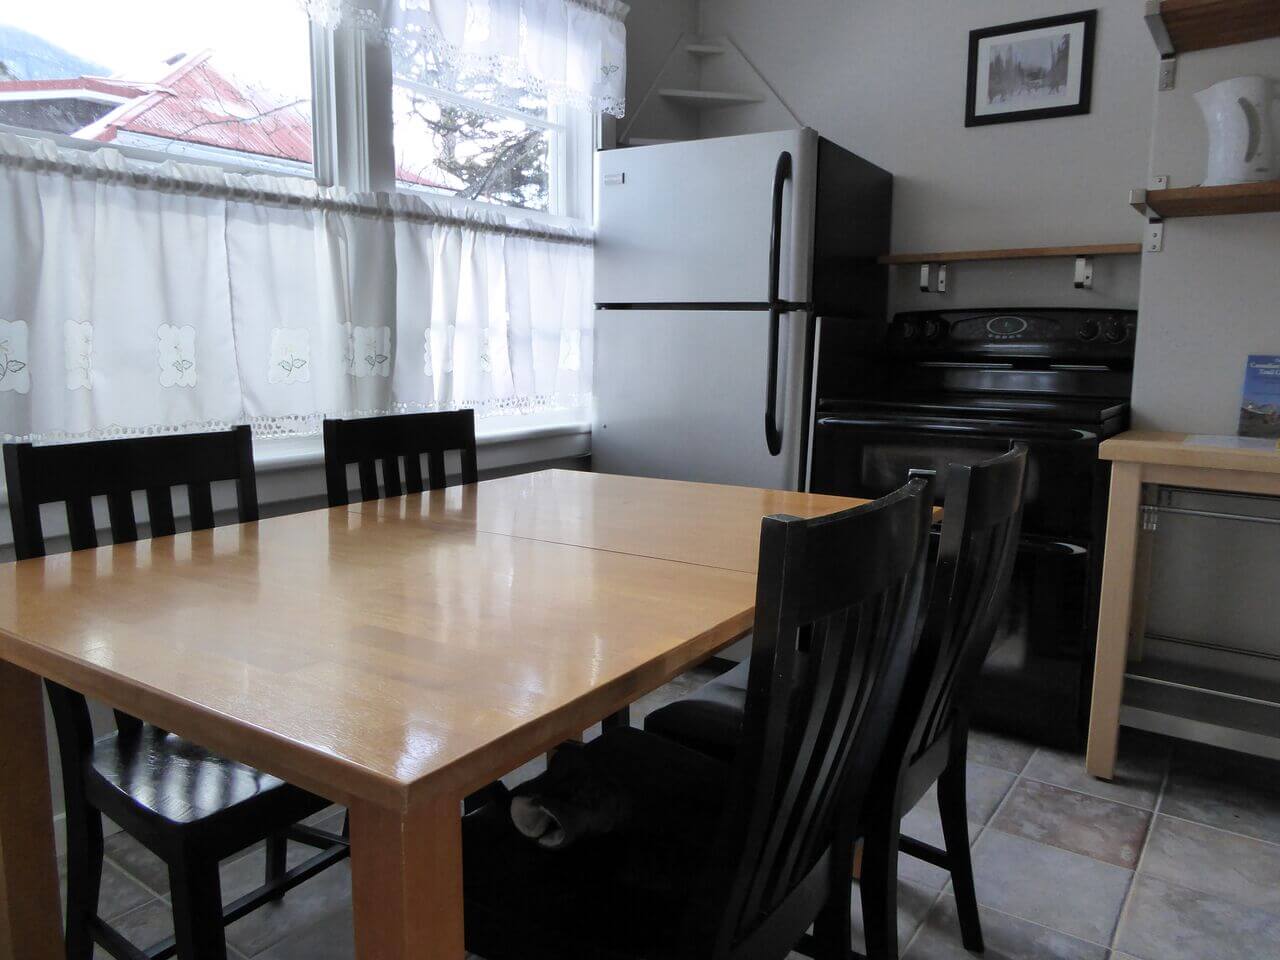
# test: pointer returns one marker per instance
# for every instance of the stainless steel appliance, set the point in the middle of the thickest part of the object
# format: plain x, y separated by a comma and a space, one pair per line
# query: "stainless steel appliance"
958, 386
711, 259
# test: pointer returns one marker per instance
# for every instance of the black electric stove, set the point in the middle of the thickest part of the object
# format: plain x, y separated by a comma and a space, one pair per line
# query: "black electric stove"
945, 387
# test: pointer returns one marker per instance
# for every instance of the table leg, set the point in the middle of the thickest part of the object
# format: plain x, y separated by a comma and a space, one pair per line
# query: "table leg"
406, 881
1114, 617
30, 915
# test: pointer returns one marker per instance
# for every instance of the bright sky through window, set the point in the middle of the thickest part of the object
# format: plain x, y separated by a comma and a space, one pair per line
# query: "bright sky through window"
264, 39
224, 82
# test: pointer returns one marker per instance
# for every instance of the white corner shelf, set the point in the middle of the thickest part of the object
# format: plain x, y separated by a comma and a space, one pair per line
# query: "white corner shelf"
709, 99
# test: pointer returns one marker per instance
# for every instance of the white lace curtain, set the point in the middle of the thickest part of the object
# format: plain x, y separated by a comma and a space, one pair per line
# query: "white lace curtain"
573, 51
146, 299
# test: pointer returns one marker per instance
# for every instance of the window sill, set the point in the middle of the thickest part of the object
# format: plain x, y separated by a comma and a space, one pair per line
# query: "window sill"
297, 453
508, 446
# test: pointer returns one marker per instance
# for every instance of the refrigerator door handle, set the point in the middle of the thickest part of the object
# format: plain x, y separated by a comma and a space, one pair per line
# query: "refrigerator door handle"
772, 431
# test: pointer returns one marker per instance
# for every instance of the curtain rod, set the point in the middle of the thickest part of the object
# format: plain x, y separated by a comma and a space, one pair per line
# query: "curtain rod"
382, 208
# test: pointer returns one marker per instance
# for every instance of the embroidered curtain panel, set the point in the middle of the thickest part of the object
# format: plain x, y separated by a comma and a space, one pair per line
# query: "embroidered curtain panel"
145, 299
570, 51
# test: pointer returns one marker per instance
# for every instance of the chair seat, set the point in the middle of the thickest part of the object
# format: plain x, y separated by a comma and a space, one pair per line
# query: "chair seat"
168, 780
617, 897
710, 719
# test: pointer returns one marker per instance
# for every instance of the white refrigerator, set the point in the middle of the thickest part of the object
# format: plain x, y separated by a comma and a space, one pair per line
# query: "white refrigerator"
714, 260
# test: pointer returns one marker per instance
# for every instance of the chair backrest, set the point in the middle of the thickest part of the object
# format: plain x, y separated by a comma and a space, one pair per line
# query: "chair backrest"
981, 523
838, 604
388, 439
75, 473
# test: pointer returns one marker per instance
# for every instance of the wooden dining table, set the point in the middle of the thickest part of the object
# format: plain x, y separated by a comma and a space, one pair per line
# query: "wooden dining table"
393, 656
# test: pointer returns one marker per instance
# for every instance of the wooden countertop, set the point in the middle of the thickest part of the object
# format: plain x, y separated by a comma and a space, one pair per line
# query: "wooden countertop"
1171, 449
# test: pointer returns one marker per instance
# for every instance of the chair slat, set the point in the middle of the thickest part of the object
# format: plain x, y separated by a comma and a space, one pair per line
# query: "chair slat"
391, 475
413, 472
200, 498
24, 507
435, 469
80, 523
469, 472
160, 511
368, 480
124, 526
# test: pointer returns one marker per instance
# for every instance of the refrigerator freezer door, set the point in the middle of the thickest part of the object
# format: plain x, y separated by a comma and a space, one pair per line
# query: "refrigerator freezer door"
681, 395
689, 222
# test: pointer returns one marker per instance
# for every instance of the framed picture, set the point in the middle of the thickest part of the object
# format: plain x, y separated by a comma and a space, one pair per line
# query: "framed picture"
1031, 70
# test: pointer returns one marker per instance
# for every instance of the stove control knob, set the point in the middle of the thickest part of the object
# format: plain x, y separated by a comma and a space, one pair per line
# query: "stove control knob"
1088, 330
911, 330
932, 329
1113, 331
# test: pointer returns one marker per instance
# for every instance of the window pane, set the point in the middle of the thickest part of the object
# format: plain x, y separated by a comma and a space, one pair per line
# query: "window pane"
472, 135
227, 81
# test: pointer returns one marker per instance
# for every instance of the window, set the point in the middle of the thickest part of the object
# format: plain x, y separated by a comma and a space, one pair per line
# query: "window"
477, 136
226, 82
231, 83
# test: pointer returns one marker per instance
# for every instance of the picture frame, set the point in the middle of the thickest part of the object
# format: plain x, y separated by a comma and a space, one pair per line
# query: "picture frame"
1031, 70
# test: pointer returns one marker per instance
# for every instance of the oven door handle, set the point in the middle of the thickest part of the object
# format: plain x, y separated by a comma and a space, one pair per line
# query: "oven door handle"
1051, 548
1067, 434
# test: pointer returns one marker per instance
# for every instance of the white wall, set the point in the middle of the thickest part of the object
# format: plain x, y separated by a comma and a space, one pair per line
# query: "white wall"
1213, 296
887, 80
653, 29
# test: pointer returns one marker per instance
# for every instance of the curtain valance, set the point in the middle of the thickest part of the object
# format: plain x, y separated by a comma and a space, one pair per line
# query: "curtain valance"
127, 311
571, 51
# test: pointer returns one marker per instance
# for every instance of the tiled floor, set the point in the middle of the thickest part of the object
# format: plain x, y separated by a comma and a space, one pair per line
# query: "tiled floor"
1177, 859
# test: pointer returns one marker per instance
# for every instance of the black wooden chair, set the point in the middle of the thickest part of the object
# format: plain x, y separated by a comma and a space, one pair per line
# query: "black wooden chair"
388, 439
190, 807
929, 743
734, 861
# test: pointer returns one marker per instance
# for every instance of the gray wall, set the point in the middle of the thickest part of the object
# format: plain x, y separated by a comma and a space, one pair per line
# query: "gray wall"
1213, 296
653, 29
887, 79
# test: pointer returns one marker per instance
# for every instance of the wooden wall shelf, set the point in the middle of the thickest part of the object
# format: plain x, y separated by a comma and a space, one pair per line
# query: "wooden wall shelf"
1180, 26
1209, 201
1015, 253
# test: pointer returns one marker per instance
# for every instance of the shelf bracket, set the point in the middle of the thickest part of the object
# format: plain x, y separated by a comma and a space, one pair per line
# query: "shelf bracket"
1084, 273
1153, 238
1154, 16
926, 282
1168, 69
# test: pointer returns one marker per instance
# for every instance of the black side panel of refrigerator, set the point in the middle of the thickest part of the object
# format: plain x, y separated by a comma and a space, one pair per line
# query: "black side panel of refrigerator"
852, 225
851, 229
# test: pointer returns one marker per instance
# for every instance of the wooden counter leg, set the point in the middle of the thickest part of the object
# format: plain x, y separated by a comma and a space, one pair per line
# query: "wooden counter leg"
406, 882
1114, 616
30, 915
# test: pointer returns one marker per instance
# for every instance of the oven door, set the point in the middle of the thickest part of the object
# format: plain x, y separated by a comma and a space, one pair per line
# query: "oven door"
868, 456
